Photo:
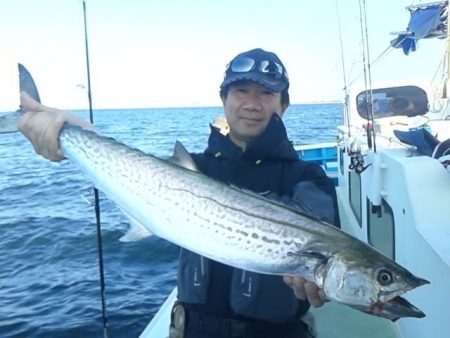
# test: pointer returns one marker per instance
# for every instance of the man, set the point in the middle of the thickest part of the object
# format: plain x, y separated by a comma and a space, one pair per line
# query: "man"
219, 300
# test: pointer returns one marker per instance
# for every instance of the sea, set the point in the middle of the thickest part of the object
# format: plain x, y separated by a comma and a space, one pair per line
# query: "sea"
49, 259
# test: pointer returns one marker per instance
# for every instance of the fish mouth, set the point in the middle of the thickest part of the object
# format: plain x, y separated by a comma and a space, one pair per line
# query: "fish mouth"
395, 309
393, 306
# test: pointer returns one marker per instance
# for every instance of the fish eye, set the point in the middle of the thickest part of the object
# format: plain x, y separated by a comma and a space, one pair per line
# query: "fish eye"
384, 277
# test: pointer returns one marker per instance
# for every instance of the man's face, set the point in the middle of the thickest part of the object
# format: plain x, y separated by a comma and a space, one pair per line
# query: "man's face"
248, 109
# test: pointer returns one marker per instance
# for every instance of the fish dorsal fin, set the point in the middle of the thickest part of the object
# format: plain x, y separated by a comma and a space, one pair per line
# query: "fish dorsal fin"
182, 158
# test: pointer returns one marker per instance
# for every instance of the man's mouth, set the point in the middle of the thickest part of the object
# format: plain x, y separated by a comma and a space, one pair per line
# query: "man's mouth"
250, 119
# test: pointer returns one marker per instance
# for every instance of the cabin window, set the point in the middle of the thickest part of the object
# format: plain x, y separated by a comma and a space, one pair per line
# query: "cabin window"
341, 160
381, 228
355, 194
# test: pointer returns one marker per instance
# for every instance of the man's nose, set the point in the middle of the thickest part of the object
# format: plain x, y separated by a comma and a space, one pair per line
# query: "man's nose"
253, 102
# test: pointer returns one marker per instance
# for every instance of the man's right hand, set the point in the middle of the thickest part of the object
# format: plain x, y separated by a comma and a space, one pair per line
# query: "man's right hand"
306, 290
41, 125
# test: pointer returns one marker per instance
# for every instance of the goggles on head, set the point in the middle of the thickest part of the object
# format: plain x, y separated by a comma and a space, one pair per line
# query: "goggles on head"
246, 64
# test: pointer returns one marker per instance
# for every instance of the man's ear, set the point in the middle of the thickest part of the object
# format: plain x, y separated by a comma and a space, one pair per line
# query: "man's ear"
283, 109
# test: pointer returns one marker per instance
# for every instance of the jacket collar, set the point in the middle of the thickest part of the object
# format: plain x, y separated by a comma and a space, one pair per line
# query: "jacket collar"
273, 143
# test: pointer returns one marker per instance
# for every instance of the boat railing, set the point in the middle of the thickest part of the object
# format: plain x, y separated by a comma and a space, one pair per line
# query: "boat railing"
323, 154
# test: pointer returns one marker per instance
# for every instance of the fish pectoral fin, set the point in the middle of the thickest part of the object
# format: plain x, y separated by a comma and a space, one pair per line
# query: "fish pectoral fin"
136, 231
310, 263
182, 158
311, 256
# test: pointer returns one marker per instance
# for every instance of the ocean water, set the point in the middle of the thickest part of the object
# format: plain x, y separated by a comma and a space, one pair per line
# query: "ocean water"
49, 275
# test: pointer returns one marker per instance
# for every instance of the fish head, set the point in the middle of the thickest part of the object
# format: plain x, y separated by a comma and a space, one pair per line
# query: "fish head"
371, 284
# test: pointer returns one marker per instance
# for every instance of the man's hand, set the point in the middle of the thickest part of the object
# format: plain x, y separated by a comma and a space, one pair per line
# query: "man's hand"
306, 290
41, 125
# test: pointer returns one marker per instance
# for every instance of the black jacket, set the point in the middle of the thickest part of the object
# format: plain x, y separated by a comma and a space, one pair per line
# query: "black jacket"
269, 166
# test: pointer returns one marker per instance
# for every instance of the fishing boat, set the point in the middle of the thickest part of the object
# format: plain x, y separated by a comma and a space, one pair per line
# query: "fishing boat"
391, 167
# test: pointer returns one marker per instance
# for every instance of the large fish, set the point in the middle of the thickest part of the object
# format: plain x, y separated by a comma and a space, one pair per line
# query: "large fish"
234, 226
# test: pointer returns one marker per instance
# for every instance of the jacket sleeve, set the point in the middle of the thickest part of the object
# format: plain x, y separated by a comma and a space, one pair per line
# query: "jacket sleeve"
315, 193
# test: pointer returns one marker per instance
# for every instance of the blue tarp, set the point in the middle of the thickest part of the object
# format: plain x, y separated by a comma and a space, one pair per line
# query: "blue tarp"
426, 22
425, 142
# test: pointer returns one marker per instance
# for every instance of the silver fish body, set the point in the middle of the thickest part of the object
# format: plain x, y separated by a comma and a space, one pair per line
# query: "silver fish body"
237, 227
8, 121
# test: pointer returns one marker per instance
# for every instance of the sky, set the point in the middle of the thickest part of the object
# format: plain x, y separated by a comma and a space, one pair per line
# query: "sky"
172, 53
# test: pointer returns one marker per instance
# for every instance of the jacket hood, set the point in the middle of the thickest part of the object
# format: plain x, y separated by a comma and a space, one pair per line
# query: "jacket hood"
273, 143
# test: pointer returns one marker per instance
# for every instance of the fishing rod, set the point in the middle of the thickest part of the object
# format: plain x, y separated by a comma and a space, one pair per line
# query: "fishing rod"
346, 102
96, 195
371, 126
367, 76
